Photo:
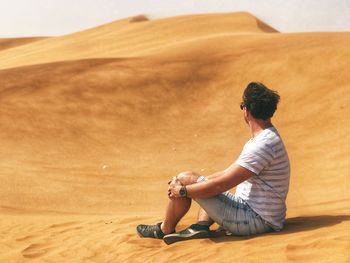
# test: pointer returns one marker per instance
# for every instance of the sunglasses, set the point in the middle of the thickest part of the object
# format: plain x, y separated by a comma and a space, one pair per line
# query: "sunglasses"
242, 105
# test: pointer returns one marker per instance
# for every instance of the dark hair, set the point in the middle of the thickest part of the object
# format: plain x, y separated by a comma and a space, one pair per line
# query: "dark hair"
260, 101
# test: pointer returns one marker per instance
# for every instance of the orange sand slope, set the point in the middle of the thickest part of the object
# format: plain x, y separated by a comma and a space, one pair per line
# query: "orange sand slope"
95, 123
6, 43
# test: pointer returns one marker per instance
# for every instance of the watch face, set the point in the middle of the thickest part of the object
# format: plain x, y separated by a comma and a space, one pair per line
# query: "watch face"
182, 192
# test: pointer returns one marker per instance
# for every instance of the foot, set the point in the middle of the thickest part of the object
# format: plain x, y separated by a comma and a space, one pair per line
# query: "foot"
192, 232
220, 232
152, 231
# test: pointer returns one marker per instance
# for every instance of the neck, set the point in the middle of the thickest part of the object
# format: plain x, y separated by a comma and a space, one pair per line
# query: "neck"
257, 126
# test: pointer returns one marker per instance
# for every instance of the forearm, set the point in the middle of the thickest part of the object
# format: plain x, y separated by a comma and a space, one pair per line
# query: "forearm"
229, 178
215, 175
208, 188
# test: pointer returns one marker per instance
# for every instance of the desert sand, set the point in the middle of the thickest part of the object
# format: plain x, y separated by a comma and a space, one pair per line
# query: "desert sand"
95, 123
6, 43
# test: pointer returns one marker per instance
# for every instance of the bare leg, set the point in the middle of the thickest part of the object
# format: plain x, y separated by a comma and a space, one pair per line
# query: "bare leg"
178, 207
203, 218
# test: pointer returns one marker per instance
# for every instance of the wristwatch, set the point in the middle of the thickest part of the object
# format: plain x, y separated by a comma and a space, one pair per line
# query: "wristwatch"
183, 191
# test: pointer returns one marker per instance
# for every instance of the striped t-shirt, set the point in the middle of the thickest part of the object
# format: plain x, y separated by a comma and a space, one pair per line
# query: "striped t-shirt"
266, 192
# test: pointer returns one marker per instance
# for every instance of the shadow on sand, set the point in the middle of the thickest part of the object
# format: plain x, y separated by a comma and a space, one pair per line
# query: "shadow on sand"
292, 225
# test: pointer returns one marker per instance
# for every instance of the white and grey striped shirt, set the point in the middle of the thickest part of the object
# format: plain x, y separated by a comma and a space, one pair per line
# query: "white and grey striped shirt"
266, 192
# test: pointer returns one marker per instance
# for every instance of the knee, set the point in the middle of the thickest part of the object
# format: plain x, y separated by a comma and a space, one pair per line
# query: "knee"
188, 177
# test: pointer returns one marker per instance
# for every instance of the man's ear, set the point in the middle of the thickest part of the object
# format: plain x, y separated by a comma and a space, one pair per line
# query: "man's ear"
246, 113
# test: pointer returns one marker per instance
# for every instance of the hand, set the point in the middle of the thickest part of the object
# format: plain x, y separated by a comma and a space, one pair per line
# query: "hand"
174, 188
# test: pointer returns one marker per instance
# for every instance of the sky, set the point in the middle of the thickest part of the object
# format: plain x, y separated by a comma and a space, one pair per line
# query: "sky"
21, 18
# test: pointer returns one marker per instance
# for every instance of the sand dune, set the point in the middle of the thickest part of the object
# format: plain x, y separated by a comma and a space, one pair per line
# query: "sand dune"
6, 43
96, 122
127, 39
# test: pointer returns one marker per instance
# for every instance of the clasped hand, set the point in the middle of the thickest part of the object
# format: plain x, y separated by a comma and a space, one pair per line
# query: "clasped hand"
174, 188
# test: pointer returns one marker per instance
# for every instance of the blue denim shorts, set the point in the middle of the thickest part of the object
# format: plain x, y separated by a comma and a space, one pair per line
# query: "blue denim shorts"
233, 214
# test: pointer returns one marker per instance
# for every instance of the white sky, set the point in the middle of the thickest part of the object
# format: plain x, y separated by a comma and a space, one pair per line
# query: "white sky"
58, 17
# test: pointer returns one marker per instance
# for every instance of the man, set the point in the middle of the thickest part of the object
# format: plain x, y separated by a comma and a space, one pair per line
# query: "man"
261, 174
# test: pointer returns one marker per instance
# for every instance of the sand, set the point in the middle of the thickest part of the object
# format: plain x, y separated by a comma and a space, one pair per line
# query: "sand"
95, 123
6, 43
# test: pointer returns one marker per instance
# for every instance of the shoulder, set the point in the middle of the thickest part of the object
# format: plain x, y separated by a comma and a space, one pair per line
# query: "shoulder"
265, 145
269, 138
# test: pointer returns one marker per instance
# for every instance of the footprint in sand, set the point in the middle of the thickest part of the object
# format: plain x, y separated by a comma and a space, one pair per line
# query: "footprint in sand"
26, 238
35, 250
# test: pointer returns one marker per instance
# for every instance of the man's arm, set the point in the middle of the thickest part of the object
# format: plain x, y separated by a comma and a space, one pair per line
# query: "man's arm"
220, 183
214, 175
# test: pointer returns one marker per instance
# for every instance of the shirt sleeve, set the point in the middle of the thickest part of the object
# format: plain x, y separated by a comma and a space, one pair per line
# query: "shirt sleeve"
256, 155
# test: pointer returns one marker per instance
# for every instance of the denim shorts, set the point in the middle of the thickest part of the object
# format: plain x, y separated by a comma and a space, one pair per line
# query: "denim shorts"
233, 214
